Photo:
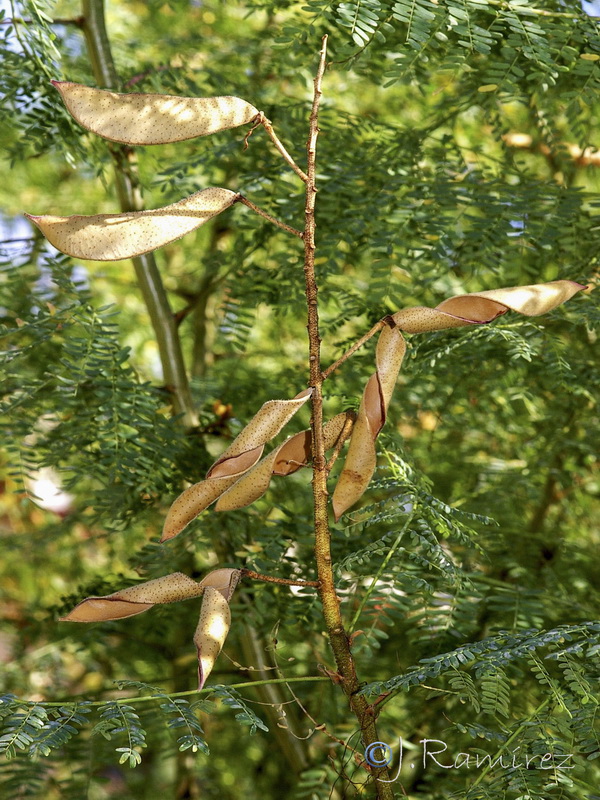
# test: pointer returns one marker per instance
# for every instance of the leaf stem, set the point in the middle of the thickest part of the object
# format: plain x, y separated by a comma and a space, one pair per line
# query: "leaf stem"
187, 693
146, 270
78, 21
384, 564
509, 741
274, 220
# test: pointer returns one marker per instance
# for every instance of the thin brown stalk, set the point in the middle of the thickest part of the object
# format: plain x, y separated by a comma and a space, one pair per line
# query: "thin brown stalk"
257, 576
267, 125
338, 638
274, 220
375, 329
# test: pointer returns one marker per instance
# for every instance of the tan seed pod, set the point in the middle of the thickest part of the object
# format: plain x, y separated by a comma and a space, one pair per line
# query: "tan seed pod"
286, 459
191, 502
135, 599
242, 454
470, 309
113, 237
264, 426
483, 307
224, 580
212, 630
145, 119
361, 458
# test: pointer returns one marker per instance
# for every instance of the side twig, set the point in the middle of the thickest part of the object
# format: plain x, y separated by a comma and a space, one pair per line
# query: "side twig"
256, 576
267, 125
274, 220
363, 339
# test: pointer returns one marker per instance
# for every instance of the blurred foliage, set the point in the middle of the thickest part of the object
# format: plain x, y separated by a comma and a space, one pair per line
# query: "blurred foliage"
457, 153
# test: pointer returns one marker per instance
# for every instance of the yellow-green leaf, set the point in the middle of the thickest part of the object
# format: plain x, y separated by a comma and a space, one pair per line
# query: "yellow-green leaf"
139, 119
112, 237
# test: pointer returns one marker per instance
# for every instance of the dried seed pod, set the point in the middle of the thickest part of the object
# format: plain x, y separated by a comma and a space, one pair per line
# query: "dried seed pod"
469, 309
289, 457
224, 580
361, 458
143, 119
483, 307
240, 456
135, 599
212, 630
112, 237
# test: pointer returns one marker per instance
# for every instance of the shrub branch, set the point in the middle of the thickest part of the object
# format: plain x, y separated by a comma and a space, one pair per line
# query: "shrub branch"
338, 638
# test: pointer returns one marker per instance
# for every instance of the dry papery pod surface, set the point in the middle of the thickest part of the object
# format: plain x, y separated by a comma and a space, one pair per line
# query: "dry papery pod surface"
286, 459
113, 237
147, 119
135, 599
470, 309
212, 630
216, 589
243, 453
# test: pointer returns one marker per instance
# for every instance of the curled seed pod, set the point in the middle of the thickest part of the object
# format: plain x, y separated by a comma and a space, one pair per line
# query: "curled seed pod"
361, 458
289, 457
212, 630
243, 453
135, 599
469, 309
224, 580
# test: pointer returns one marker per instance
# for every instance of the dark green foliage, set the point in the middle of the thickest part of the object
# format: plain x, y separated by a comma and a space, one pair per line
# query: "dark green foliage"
86, 412
232, 699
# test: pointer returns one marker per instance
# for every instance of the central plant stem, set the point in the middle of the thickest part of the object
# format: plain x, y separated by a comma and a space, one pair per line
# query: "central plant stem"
338, 638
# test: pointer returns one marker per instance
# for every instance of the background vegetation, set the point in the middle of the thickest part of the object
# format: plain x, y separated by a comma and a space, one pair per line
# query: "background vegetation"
457, 153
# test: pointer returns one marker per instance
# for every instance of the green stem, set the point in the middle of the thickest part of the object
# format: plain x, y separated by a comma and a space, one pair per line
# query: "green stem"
146, 269
384, 564
187, 693
509, 741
